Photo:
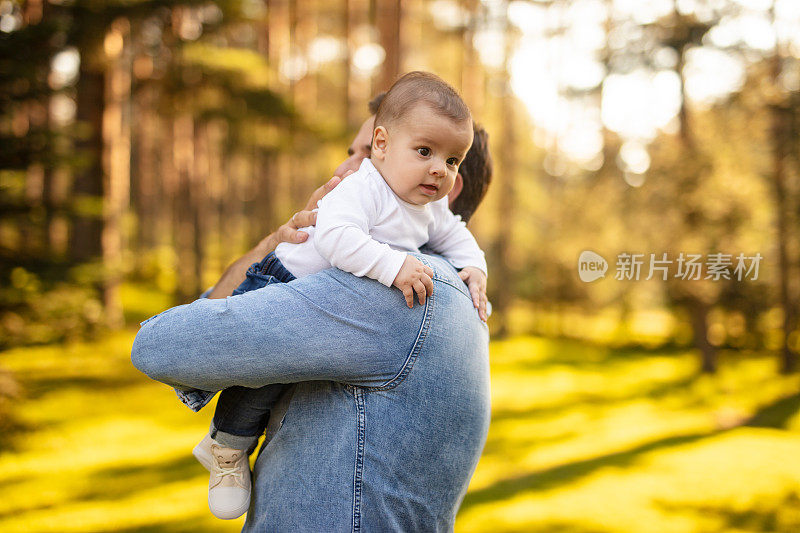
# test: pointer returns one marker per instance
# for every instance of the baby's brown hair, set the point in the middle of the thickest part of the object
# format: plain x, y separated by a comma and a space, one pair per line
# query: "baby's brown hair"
420, 87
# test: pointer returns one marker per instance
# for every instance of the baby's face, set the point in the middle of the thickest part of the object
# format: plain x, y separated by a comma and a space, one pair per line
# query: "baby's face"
419, 158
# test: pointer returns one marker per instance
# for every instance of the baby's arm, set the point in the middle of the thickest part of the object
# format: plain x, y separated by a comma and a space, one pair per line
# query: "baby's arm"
342, 237
453, 240
414, 277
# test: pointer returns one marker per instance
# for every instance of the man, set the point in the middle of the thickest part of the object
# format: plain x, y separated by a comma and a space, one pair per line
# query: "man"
465, 197
391, 408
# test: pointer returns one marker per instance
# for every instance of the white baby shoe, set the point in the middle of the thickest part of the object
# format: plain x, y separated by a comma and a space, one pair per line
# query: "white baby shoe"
229, 483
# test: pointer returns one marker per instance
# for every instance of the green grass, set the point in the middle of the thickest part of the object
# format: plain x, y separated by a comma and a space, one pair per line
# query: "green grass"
583, 439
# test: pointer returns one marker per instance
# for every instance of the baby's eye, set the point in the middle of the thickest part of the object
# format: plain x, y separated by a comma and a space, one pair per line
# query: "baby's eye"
453, 161
423, 151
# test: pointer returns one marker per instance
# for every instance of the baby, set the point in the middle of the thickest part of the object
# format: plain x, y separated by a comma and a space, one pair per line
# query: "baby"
395, 203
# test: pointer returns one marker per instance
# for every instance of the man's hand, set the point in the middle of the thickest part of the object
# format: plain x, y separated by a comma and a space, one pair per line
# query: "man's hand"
413, 277
476, 281
289, 231
307, 217
236, 272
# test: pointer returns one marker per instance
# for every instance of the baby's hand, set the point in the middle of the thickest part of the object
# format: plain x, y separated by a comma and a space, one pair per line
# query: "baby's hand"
413, 277
476, 281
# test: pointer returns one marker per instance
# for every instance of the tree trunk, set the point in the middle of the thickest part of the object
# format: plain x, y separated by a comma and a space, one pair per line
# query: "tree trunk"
697, 308
200, 204
116, 165
780, 139
184, 216
350, 122
501, 298
145, 190
698, 313
87, 187
389, 13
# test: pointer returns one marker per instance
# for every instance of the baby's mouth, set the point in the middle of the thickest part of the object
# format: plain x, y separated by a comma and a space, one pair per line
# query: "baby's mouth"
429, 189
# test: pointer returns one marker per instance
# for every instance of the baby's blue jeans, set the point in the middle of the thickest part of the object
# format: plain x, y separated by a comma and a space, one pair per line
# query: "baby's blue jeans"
242, 413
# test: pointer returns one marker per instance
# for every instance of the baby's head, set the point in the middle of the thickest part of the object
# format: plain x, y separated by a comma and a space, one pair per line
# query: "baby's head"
423, 130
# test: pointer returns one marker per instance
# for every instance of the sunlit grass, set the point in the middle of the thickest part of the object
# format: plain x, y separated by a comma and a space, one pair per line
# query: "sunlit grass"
589, 439
584, 438
104, 447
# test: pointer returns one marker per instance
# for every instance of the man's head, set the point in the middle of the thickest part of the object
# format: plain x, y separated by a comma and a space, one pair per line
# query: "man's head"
474, 176
423, 130
359, 149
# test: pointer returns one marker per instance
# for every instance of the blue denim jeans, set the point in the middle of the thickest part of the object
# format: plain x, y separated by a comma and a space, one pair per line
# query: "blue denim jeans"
242, 413
391, 407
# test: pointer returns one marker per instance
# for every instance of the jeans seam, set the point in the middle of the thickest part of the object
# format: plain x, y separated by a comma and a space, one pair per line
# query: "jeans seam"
358, 474
459, 289
415, 350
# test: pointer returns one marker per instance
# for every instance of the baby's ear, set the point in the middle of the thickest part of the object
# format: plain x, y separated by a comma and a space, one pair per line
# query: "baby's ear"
380, 139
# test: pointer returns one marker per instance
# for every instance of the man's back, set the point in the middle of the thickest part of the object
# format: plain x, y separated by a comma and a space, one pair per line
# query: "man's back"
396, 456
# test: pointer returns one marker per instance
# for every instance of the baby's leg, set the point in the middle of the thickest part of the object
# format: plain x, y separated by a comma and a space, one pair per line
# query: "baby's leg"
240, 418
242, 414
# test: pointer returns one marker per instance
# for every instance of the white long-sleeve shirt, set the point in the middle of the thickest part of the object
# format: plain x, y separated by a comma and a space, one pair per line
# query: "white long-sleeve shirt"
364, 228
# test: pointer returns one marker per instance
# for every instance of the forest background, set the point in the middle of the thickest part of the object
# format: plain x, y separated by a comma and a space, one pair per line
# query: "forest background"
145, 144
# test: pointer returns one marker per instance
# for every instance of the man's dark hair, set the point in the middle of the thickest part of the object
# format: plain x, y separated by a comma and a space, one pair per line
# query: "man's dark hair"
420, 88
475, 170
375, 103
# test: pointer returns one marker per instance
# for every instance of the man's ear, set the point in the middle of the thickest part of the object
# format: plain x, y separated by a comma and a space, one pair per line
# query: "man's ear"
456, 190
380, 140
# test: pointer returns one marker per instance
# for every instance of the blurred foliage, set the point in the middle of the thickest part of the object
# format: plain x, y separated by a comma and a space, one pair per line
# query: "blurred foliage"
47, 303
151, 141
55, 283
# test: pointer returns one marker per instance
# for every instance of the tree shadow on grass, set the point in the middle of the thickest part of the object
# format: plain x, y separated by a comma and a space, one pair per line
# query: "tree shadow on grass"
589, 355
178, 525
36, 388
570, 472
777, 414
657, 390
10, 429
14, 432
553, 527
774, 415
500, 444
778, 515
119, 482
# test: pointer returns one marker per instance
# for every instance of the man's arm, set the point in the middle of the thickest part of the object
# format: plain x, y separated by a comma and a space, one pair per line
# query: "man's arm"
235, 274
